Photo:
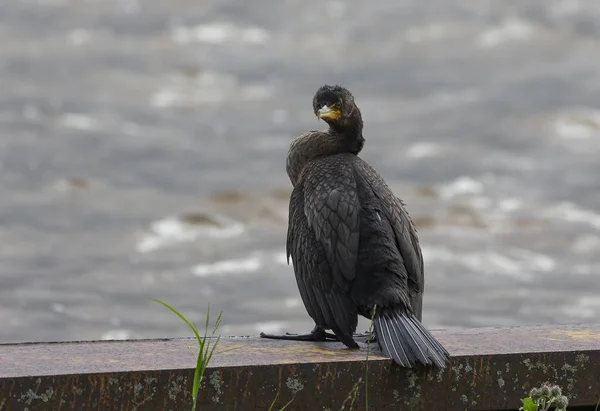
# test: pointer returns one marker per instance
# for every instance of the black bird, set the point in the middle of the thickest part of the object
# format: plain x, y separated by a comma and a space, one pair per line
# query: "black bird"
353, 245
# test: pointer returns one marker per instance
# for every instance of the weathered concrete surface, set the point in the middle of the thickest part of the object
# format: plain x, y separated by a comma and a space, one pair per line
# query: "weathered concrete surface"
491, 369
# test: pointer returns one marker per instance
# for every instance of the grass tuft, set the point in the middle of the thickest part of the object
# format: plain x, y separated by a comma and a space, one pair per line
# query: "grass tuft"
352, 395
206, 348
275, 400
367, 364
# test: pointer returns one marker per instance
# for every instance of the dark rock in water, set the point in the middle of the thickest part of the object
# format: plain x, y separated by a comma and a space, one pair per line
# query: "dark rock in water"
269, 214
462, 215
422, 222
79, 183
281, 194
428, 192
199, 218
227, 197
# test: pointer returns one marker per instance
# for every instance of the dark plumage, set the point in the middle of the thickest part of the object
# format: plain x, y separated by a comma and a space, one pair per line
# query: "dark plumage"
352, 243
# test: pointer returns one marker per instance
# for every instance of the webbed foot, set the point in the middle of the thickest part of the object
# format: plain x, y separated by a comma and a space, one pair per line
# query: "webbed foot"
317, 334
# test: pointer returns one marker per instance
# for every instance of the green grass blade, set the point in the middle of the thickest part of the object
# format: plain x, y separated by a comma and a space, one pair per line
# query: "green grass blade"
185, 320
199, 361
275, 400
352, 395
207, 321
217, 323
273, 403
367, 364
205, 352
286, 405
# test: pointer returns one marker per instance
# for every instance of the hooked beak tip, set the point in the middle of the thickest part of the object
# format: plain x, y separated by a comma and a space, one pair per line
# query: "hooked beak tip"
326, 113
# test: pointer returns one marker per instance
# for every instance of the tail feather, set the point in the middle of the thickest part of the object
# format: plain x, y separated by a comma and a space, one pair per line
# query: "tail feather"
386, 335
404, 339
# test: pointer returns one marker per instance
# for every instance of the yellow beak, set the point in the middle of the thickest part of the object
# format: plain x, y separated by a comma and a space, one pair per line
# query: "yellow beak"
327, 113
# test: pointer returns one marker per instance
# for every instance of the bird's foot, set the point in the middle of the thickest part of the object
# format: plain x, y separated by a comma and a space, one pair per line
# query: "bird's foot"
317, 334
370, 338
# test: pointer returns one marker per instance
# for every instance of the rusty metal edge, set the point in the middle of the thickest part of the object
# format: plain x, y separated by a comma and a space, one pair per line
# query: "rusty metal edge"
315, 377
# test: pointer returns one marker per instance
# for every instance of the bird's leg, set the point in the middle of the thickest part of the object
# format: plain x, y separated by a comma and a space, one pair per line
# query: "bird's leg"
317, 334
371, 338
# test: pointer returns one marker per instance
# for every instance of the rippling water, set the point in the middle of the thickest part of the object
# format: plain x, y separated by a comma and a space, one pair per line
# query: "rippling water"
142, 148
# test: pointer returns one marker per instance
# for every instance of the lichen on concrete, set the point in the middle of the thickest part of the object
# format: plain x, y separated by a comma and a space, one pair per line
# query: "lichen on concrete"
457, 369
138, 389
294, 384
175, 388
30, 396
414, 387
215, 380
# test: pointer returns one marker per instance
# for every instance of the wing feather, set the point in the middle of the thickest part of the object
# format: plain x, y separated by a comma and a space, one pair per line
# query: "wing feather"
404, 230
322, 241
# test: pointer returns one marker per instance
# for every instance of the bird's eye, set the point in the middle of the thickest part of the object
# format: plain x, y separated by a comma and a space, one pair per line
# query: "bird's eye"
335, 105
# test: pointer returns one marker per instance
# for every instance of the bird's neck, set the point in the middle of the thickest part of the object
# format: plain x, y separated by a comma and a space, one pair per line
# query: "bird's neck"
349, 137
345, 138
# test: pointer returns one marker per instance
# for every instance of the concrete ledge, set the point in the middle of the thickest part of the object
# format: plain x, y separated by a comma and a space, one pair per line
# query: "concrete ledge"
491, 369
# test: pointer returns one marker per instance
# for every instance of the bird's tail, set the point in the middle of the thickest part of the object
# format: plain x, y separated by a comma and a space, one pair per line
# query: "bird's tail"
404, 339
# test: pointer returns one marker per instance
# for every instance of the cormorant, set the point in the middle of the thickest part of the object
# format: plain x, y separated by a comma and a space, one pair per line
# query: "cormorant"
353, 245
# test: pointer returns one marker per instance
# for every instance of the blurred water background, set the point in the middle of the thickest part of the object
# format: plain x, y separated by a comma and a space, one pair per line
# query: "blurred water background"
142, 150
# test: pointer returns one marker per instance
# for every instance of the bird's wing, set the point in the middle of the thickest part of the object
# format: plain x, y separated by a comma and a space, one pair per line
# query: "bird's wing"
328, 306
332, 209
405, 233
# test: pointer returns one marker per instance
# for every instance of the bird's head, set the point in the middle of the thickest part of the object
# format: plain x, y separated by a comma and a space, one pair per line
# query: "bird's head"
334, 104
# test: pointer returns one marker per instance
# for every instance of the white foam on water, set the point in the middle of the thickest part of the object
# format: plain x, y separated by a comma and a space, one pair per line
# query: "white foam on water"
533, 261
255, 92
116, 334
511, 29
292, 302
585, 307
165, 98
516, 263
585, 269
249, 264
133, 129
31, 112
481, 203
507, 205
570, 130
453, 98
461, 186
581, 124
78, 121
574, 214
170, 231
281, 258
586, 243
79, 37
58, 308
206, 88
220, 33
270, 327
422, 150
